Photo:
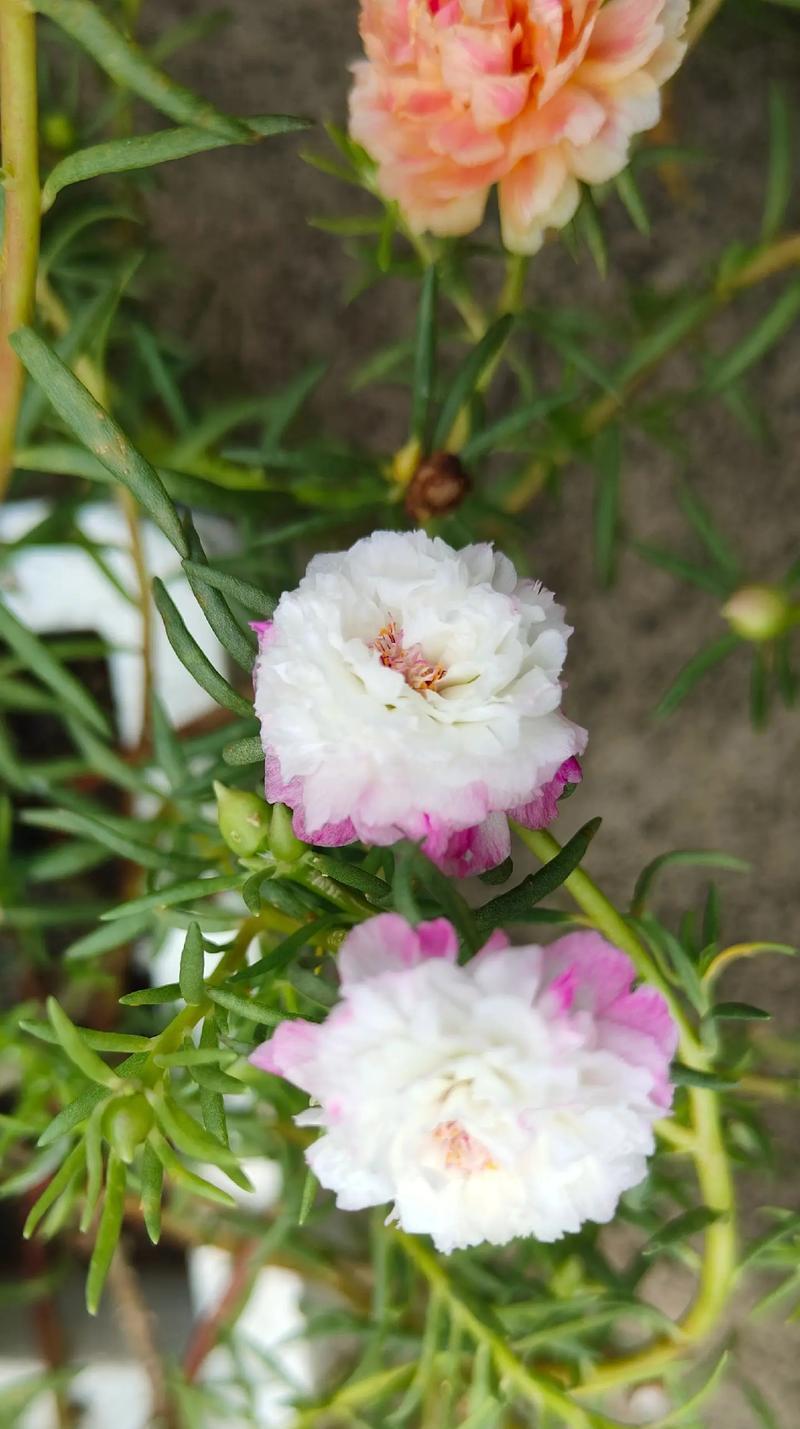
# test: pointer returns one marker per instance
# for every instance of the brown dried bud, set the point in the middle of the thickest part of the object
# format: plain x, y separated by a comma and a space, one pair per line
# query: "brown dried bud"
438, 486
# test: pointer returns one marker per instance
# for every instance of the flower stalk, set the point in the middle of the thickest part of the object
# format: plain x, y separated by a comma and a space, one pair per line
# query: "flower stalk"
707, 1149
20, 155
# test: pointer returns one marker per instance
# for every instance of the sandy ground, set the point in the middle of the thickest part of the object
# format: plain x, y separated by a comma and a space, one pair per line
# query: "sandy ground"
261, 293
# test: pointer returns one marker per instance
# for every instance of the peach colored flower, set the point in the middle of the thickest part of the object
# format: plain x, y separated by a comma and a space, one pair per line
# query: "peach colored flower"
532, 95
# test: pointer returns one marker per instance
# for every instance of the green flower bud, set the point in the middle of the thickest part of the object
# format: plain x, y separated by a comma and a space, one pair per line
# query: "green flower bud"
283, 842
757, 612
244, 820
58, 131
126, 1123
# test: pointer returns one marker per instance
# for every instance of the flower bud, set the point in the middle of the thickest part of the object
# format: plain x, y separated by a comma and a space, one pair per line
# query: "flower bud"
126, 1123
757, 612
244, 820
58, 131
283, 842
438, 486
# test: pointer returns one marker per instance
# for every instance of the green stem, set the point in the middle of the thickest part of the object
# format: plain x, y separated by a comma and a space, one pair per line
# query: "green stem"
20, 153
537, 1390
708, 1151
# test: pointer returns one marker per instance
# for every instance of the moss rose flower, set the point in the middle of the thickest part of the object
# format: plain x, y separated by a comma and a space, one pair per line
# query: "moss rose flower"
533, 95
408, 690
512, 1096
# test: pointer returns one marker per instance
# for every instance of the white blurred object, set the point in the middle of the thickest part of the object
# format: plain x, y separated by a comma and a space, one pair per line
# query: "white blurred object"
271, 1322
55, 589
109, 1392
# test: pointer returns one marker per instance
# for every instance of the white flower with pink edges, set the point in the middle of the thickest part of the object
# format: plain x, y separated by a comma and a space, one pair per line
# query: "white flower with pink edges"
514, 1095
409, 690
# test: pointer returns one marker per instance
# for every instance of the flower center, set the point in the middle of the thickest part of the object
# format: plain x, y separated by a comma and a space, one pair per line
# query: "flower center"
462, 1152
410, 662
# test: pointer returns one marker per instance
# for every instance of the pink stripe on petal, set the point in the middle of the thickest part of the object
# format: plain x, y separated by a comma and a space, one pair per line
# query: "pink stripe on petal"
290, 1052
437, 939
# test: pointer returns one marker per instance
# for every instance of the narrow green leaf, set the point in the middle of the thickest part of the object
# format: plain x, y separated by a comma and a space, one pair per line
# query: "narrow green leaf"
151, 996
682, 1076
65, 860
629, 192
108, 1231
109, 836
608, 459
517, 904
152, 1181
353, 876
53, 1189
307, 1197
468, 376
131, 68
779, 172
173, 893
588, 226
93, 1143
241, 646
244, 751
758, 341
763, 1412
498, 435
168, 750
71, 1116
243, 1007
424, 357
186, 1178
681, 319
99, 433
692, 671
76, 1049
194, 1141
738, 1012
681, 858
105, 938
706, 577
192, 971
681, 1227
685, 1413
95, 1041
231, 586
119, 156
712, 539
212, 1102
153, 358
40, 660
213, 1082
192, 657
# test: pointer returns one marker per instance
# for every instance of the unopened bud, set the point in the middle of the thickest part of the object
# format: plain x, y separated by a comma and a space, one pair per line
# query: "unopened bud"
283, 842
757, 612
244, 820
58, 130
438, 486
127, 1123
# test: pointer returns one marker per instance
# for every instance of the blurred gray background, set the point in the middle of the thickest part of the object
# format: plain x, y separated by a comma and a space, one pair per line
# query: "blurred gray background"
260, 293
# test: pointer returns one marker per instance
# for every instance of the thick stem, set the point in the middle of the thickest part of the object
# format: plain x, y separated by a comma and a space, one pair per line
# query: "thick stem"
702, 15
20, 150
708, 1151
